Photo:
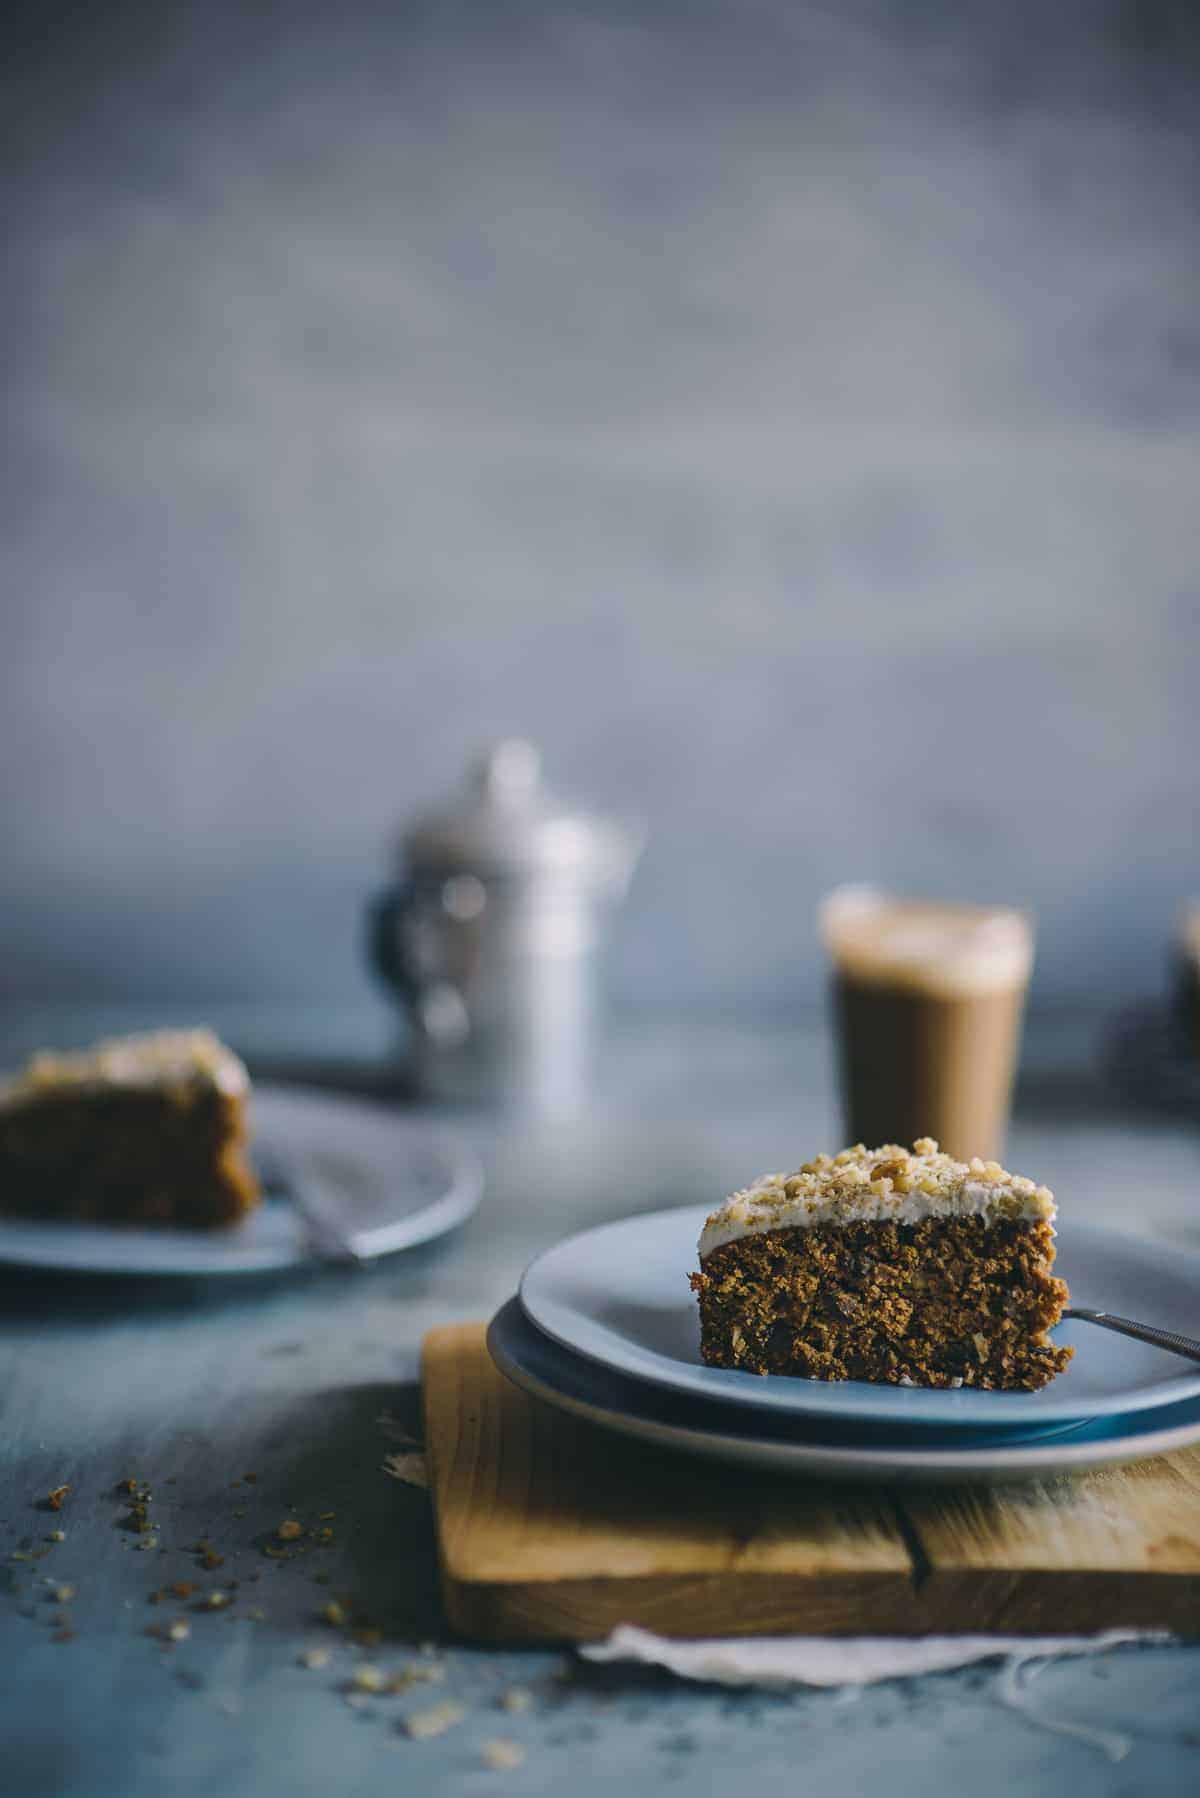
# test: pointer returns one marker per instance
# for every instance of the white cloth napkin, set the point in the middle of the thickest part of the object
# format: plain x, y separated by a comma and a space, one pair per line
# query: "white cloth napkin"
779, 1662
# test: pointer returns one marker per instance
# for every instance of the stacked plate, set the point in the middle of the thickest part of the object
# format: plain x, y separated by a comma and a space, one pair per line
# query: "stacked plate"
605, 1326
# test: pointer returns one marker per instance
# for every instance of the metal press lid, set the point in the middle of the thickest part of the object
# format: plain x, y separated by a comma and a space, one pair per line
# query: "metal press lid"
505, 824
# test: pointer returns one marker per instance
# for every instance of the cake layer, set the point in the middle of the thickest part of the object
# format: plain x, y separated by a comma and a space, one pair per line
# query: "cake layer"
889, 1184
953, 1301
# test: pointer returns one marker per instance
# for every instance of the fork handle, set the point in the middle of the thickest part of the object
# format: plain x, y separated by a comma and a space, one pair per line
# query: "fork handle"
1125, 1326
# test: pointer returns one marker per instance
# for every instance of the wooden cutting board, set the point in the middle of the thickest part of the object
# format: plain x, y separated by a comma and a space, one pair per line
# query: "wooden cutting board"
550, 1529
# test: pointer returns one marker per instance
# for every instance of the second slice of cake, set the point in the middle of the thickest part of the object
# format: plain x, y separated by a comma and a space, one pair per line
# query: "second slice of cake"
146, 1129
890, 1265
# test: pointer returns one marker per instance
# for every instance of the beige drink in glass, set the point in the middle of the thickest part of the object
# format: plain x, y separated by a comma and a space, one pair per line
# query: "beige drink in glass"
928, 998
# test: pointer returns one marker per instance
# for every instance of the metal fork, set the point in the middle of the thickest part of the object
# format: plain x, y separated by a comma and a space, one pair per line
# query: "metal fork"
1125, 1326
327, 1230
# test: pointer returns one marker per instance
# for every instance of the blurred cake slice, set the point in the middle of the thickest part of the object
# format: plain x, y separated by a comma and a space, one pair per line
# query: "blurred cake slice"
146, 1129
892, 1265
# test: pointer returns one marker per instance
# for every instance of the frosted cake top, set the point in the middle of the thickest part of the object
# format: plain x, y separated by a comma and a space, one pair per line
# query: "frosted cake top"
886, 1185
155, 1058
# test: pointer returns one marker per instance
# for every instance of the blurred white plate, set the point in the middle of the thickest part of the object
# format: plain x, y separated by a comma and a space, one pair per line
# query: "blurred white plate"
391, 1179
619, 1296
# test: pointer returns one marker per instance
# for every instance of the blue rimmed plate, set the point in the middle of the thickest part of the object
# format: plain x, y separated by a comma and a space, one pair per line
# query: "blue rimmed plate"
618, 1296
822, 1448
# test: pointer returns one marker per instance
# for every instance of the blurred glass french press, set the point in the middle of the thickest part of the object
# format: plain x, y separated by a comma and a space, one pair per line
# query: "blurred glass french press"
492, 935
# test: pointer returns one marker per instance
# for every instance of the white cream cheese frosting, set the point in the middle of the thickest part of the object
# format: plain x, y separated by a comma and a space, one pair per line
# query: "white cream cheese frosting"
154, 1058
889, 1184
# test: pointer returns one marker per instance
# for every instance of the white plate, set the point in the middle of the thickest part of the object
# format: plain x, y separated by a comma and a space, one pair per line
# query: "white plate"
816, 1448
619, 1295
395, 1178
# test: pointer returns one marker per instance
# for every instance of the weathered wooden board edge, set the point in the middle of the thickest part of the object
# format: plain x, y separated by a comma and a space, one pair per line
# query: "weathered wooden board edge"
722, 1605
928, 1599
583, 1611
1041, 1602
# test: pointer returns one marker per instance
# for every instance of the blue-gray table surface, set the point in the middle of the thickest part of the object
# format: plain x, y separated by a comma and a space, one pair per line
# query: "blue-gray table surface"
309, 1384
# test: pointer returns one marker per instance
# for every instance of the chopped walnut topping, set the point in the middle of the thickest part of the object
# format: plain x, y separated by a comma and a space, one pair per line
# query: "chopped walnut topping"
883, 1183
891, 1168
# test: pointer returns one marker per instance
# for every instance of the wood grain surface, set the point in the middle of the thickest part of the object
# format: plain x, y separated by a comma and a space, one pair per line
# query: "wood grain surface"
552, 1529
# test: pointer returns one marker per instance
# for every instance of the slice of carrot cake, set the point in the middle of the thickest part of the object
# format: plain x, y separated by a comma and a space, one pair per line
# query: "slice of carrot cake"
896, 1266
148, 1129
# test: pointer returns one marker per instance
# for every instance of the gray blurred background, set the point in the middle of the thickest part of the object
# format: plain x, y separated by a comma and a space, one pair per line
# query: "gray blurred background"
787, 413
